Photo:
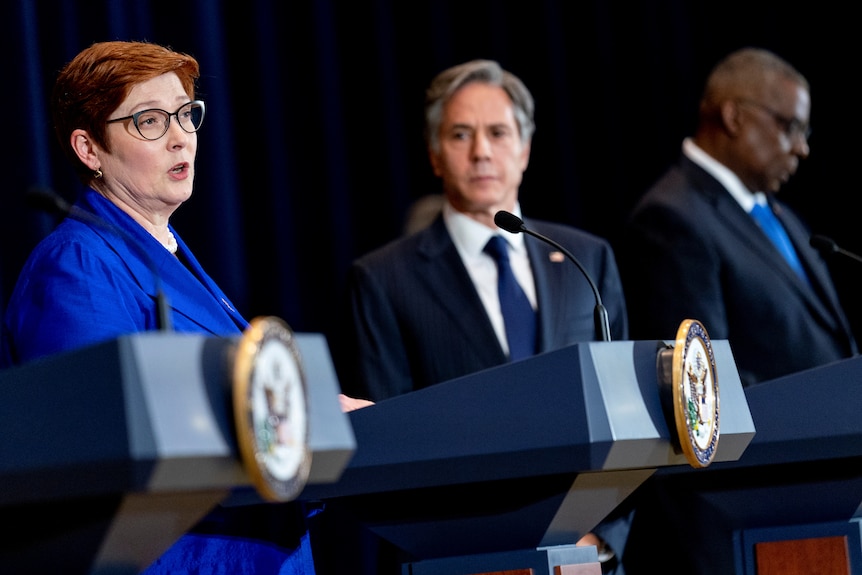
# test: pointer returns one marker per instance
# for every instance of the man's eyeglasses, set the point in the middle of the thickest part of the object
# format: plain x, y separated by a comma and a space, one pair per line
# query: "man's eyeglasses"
791, 127
152, 124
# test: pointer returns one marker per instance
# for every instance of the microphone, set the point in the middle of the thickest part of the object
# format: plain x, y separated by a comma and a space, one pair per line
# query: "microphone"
47, 201
513, 224
827, 246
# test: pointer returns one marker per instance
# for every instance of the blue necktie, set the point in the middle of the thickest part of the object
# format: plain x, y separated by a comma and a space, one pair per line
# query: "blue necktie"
518, 314
769, 223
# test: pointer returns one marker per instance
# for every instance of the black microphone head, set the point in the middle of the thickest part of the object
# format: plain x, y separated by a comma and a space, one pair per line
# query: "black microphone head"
823, 244
509, 222
47, 200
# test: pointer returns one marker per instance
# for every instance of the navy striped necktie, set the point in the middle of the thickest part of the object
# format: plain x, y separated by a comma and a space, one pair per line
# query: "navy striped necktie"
772, 227
518, 315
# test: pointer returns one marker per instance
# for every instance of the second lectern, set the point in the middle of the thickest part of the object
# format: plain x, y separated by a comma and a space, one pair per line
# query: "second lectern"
501, 469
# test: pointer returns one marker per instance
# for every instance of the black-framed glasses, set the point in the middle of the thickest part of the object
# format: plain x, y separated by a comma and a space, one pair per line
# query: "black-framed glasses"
152, 124
791, 127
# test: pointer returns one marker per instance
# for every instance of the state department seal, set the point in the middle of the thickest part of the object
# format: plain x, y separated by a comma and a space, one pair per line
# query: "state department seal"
270, 408
695, 394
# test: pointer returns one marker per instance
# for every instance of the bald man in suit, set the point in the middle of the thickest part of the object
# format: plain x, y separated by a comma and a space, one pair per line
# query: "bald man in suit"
692, 248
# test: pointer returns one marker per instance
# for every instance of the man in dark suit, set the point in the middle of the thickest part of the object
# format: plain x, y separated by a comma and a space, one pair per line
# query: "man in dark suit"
425, 308
695, 247
694, 250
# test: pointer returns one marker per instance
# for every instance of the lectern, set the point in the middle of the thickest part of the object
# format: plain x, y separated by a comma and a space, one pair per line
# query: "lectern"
110, 453
486, 471
790, 504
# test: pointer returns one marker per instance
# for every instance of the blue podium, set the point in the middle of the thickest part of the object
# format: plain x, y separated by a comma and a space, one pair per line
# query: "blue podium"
109, 454
505, 467
790, 504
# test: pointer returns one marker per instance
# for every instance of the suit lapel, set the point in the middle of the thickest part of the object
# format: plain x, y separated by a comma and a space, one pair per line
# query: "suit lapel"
190, 292
818, 273
547, 265
442, 269
741, 224
194, 295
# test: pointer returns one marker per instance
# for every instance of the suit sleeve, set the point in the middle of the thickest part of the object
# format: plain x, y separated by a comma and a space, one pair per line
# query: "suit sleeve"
376, 365
671, 273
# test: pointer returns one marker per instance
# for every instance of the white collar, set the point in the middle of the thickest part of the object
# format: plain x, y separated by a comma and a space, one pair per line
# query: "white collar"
731, 182
470, 236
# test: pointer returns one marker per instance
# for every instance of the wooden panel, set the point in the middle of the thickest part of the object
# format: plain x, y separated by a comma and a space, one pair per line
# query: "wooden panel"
579, 569
827, 555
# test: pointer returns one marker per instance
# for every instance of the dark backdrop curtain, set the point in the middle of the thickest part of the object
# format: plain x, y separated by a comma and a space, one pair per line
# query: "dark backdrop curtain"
312, 151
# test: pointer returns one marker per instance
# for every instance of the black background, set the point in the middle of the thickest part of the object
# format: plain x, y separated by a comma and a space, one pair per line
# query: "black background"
311, 151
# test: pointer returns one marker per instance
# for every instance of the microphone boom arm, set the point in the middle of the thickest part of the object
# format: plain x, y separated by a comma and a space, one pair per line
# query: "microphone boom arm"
828, 246
513, 224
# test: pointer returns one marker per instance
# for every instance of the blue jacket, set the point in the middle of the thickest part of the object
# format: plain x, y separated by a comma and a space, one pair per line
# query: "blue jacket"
96, 277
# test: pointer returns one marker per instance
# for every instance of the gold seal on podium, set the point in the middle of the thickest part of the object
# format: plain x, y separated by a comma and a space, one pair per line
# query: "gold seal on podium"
695, 393
271, 410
